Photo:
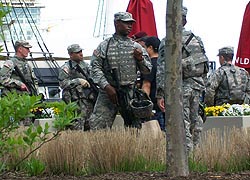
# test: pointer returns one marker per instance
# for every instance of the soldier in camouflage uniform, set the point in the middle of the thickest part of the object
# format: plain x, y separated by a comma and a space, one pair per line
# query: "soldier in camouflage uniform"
228, 84
113, 67
75, 86
192, 85
16, 74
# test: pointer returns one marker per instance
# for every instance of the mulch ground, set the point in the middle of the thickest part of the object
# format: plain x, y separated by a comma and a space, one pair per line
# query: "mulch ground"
138, 176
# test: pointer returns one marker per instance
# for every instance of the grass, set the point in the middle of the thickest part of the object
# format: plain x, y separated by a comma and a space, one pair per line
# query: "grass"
120, 150
103, 151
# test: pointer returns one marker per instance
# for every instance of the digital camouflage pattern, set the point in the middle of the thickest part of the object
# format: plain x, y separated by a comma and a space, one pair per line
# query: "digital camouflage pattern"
123, 16
73, 91
115, 53
192, 86
194, 60
226, 50
120, 57
9, 78
74, 48
22, 43
196, 49
228, 84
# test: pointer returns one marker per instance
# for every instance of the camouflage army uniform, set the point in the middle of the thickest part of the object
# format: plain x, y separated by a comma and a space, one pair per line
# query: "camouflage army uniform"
73, 91
226, 81
192, 89
119, 56
10, 79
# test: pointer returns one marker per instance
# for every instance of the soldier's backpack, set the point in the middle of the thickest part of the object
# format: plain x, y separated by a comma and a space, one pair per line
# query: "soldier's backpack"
194, 60
237, 84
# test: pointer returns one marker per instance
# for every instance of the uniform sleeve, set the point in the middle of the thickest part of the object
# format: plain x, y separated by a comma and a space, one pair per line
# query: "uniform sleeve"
96, 65
145, 65
211, 86
6, 73
160, 75
65, 80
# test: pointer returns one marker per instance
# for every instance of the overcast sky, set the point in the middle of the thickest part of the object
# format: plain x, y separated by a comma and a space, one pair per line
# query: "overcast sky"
217, 22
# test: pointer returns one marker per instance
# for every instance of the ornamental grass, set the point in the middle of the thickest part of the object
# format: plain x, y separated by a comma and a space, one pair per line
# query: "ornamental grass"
128, 150
118, 150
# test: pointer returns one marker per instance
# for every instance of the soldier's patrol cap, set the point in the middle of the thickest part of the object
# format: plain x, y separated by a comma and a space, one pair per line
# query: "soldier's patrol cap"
22, 43
184, 11
74, 48
226, 50
123, 16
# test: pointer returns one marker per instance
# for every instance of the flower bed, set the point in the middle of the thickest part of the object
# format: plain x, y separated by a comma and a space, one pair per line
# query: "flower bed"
43, 115
228, 110
40, 112
227, 116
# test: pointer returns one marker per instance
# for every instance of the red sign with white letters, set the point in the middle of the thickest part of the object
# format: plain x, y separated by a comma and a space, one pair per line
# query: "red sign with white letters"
243, 51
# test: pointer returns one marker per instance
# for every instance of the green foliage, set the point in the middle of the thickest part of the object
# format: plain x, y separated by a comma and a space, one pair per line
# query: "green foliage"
13, 109
34, 167
65, 115
139, 163
236, 164
197, 166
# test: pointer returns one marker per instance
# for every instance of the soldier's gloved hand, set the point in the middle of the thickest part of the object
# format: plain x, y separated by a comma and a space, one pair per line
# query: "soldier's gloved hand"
84, 82
111, 92
138, 54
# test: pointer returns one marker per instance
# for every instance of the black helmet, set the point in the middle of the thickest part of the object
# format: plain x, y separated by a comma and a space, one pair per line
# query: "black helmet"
141, 108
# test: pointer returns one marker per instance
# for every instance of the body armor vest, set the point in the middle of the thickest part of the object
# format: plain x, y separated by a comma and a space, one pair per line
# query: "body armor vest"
78, 92
120, 57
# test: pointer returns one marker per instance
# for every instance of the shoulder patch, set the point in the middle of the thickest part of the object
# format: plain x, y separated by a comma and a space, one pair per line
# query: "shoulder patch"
66, 69
96, 53
8, 64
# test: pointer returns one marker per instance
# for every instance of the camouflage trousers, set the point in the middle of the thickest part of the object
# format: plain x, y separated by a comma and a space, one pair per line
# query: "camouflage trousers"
105, 111
85, 108
192, 121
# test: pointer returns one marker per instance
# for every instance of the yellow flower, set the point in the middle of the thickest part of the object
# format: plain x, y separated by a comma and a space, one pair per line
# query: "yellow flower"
216, 110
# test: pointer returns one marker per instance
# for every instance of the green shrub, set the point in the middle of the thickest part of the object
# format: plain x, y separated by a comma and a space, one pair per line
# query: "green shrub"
34, 167
14, 109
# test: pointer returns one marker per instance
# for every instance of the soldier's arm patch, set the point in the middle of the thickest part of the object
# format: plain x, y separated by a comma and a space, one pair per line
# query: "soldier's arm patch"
8, 64
66, 70
96, 53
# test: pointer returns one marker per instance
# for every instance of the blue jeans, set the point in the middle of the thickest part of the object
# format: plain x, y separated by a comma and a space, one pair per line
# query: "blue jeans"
160, 117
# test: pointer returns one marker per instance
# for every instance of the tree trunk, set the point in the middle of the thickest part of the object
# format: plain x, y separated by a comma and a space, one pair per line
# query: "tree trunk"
177, 163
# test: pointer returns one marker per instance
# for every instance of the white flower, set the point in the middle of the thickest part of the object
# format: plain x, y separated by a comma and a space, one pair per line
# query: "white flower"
49, 112
237, 110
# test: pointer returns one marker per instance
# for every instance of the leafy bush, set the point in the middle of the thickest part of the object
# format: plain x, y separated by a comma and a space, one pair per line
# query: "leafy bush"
14, 109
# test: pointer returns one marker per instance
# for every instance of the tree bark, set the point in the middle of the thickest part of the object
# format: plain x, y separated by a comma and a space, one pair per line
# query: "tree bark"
177, 163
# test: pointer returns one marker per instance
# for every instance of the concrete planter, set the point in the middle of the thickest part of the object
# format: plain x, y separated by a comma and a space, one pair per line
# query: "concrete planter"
43, 121
222, 122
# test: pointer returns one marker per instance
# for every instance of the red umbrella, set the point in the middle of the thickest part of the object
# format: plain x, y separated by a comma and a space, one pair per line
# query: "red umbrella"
143, 13
243, 52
